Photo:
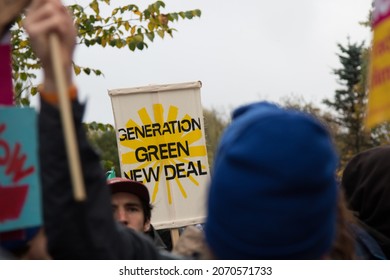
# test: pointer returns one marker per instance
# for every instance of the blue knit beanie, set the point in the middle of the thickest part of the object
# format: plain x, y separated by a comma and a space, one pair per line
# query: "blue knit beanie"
273, 193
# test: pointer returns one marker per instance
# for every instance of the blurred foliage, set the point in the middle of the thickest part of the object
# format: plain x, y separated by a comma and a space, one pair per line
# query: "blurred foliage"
122, 27
214, 127
102, 138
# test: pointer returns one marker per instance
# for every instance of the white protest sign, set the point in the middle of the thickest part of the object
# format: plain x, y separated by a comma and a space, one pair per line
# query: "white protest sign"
161, 142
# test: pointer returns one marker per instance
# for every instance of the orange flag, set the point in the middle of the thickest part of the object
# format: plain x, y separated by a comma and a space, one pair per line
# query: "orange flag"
379, 86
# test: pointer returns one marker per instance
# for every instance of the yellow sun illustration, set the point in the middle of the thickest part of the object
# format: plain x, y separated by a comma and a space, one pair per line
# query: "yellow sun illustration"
163, 149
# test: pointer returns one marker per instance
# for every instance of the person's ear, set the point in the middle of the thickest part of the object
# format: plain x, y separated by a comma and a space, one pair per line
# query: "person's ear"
147, 226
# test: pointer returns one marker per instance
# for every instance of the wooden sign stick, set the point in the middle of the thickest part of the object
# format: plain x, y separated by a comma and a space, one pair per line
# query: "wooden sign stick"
174, 236
67, 121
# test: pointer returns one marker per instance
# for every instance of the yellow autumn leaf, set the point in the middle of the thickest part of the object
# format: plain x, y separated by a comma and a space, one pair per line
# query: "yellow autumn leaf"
99, 31
104, 42
119, 44
133, 30
95, 6
77, 69
151, 26
23, 44
127, 25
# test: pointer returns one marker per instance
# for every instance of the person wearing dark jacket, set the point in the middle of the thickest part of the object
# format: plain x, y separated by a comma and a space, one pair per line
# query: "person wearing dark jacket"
75, 230
366, 184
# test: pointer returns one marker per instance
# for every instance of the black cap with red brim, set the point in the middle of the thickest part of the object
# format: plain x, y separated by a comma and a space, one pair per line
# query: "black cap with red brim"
129, 186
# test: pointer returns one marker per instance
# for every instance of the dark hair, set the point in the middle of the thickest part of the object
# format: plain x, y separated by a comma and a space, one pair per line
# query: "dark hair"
147, 209
344, 244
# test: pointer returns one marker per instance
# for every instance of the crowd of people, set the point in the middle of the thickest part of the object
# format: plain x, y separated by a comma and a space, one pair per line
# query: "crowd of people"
274, 193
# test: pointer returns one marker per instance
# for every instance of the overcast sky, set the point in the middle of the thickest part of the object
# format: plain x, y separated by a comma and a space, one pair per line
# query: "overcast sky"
241, 51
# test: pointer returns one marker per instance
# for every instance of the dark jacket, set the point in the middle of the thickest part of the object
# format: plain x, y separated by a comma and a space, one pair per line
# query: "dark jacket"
5, 255
81, 230
155, 236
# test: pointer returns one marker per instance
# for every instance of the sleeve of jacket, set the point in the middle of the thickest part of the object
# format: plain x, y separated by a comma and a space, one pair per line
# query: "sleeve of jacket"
80, 230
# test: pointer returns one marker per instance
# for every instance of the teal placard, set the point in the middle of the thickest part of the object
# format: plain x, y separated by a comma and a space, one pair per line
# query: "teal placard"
20, 195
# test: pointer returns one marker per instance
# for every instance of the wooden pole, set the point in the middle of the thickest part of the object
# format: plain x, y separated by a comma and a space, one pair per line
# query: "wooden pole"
174, 236
67, 121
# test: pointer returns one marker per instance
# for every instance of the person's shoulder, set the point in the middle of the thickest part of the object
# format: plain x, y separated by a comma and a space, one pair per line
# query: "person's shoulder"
367, 248
140, 247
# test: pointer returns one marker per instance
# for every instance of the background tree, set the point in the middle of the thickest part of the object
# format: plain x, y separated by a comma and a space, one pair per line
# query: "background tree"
102, 138
350, 103
121, 27
214, 127
350, 100
324, 116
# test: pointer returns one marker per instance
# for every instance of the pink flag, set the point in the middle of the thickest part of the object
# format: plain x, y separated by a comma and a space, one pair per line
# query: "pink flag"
6, 92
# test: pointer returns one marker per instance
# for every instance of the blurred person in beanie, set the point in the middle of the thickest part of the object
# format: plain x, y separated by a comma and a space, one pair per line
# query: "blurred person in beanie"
366, 184
273, 194
131, 206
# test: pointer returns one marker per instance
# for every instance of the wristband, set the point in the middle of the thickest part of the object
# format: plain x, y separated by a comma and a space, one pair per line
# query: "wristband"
52, 97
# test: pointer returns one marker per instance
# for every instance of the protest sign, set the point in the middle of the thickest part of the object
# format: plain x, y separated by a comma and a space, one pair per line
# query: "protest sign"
161, 142
378, 109
20, 197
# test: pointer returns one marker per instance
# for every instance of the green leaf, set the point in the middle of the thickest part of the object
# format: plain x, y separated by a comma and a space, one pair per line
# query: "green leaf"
175, 16
189, 15
132, 45
87, 71
34, 91
197, 13
114, 11
161, 33
25, 101
18, 87
150, 36
147, 14
101, 127
138, 38
151, 26
183, 15
113, 42
98, 72
159, 4
95, 6
23, 76
93, 126
140, 46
